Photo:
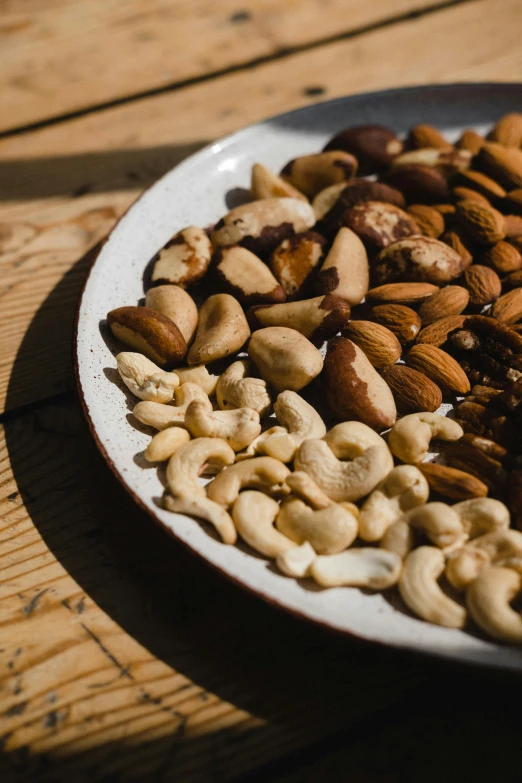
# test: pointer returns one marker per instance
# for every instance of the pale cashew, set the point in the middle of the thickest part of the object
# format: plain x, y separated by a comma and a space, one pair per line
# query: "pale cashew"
398, 538
370, 461
238, 427
502, 548
404, 488
254, 514
264, 473
374, 569
438, 521
329, 530
305, 488
145, 379
200, 376
297, 561
203, 455
482, 515
301, 422
236, 389
203, 508
256, 446
421, 592
410, 437
165, 443
488, 599
162, 416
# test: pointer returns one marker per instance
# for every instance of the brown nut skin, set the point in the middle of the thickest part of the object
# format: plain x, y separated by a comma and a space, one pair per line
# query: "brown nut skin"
354, 389
184, 259
440, 367
452, 483
450, 300
241, 273
503, 257
295, 261
422, 136
150, 332
378, 224
413, 391
419, 183
284, 358
402, 321
318, 318
438, 332
417, 258
174, 302
401, 293
312, 173
374, 146
428, 219
345, 271
222, 330
378, 343
261, 225
483, 284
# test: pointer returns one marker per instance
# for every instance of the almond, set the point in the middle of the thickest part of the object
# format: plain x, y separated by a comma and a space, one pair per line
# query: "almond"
508, 130
401, 293
374, 146
457, 242
419, 183
451, 300
482, 222
514, 280
452, 483
503, 257
429, 220
508, 308
440, 367
513, 201
402, 321
513, 226
427, 136
470, 140
483, 284
412, 390
502, 163
466, 194
437, 332
379, 344
481, 183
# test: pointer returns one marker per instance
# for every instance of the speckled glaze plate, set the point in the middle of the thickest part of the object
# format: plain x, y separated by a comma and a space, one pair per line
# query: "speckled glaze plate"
200, 191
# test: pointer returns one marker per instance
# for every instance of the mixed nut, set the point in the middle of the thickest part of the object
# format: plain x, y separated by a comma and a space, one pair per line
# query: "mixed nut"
406, 257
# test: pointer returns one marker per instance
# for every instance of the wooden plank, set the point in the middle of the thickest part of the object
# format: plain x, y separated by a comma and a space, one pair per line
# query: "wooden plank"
65, 56
119, 651
114, 153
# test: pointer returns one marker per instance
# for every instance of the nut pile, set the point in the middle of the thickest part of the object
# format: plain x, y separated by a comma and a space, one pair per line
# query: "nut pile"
406, 257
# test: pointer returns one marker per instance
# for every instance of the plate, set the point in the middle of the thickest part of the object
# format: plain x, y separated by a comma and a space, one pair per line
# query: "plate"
200, 191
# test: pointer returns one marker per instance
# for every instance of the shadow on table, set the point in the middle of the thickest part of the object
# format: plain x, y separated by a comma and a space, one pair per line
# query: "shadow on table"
318, 693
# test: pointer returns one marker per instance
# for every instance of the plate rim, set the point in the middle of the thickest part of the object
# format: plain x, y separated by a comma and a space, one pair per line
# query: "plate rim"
222, 142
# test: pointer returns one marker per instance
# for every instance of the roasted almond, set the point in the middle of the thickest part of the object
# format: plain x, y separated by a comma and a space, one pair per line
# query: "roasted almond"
374, 146
412, 390
483, 284
508, 308
481, 183
437, 332
513, 226
312, 173
503, 257
378, 224
440, 367
513, 201
401, 293
402, 321
466, 194
514, 280
508, 130
451, 300
379, 344
428, 219
503, 164
455, 240
427, 136
419, 183
470, 140
483, 223
452, 483
417, 258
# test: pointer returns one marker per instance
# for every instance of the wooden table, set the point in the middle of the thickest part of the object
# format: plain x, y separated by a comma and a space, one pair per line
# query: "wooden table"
122, 656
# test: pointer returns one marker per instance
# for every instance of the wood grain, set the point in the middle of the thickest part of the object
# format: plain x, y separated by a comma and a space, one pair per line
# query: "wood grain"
90, 169
120, 652
60, 57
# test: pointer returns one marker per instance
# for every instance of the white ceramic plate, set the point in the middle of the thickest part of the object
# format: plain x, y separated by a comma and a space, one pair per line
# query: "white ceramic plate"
196, 193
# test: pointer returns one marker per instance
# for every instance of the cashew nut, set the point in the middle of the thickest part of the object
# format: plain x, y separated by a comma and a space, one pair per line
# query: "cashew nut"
305, 488
256, 445
482, 515
370, 461
329, 530
488, 599
203, 455
203, 508
438, 521
236, 389
502, 548
296, 562
403, 488
200, 376
153, 414
254, 514
421, 592
398, 538
264, 473
165, 443
238, 427
366, 567
301, 422
410, 437
145, 379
